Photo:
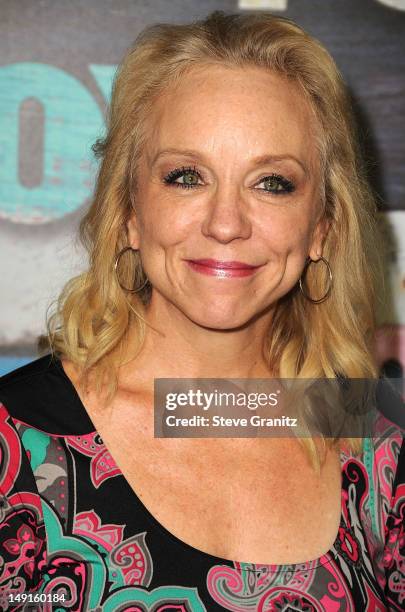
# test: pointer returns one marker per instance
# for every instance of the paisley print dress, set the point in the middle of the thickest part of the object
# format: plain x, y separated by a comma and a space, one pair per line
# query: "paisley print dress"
71, 526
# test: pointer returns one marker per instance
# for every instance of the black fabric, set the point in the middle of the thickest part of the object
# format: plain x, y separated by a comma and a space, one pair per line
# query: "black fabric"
40, 392
86, 521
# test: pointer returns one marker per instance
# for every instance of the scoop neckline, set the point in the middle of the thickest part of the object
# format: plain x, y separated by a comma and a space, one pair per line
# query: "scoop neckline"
324, 559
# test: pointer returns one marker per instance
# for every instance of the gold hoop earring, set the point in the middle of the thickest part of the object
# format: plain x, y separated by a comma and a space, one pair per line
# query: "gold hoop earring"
323, 298
117, 259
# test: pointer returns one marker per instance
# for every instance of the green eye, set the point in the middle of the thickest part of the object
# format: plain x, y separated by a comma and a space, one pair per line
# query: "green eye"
272, 184
190, 177
277, 184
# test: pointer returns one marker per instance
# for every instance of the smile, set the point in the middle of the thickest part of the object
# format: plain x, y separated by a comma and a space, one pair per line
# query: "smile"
221, 269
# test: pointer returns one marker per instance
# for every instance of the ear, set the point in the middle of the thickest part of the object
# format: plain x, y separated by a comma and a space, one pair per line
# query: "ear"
133, 231
318, 239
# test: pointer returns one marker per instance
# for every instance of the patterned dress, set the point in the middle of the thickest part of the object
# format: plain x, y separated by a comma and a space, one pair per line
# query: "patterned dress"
72, 529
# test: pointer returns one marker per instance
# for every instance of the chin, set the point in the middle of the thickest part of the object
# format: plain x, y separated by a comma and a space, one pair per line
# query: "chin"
218, 321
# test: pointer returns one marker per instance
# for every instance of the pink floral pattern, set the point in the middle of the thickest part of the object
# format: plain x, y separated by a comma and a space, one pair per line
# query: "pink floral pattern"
102, 465
69, 522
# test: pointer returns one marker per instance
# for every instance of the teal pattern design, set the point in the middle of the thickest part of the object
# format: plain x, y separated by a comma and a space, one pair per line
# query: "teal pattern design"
71, 525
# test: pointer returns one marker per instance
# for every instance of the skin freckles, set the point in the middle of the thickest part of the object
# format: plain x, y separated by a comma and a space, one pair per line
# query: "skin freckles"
220, 121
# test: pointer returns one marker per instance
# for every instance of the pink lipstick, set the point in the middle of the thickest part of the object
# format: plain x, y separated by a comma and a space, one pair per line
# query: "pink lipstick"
222, 269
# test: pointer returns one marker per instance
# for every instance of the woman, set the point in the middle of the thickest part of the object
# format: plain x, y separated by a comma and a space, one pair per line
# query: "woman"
229, 184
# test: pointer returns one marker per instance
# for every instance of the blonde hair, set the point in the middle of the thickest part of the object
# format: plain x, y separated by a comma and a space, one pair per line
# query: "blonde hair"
93, 314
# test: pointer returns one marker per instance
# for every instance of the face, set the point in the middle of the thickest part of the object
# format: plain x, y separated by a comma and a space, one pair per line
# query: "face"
229, 174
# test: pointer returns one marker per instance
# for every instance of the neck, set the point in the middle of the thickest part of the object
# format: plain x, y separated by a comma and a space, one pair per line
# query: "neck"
180, 348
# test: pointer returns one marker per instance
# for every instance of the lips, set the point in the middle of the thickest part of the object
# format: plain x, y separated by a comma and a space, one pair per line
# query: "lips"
223, 265
221, 269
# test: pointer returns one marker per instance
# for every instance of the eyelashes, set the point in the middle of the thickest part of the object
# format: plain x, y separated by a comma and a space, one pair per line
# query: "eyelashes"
173, 175
276, 184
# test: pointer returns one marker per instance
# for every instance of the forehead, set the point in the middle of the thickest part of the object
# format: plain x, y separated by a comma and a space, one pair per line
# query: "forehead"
224, 109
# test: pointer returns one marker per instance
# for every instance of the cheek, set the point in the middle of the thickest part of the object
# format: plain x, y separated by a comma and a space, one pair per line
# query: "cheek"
161, 229
286, 234
168, 222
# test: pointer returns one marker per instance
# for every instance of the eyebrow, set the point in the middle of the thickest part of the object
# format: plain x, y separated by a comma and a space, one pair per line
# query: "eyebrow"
257, 161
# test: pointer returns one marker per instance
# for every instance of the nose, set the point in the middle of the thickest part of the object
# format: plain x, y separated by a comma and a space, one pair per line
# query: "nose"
226, 216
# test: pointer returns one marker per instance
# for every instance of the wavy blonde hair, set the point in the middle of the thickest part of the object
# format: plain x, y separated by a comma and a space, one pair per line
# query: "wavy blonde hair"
93, 314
